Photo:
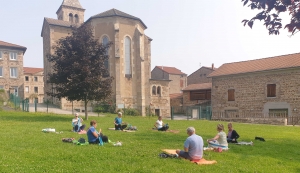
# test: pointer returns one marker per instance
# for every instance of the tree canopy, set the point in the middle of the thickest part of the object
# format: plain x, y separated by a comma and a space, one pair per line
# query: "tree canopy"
79, 72
270, 11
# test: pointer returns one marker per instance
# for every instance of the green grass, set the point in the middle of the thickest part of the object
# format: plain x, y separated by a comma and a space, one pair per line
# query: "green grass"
24, 148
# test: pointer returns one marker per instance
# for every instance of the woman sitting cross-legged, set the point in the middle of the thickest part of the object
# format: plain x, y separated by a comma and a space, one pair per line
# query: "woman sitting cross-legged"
232, 135
93, 135
160, 126
220, 139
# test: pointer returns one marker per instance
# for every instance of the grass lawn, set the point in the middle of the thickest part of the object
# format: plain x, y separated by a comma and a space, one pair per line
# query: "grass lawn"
24, 148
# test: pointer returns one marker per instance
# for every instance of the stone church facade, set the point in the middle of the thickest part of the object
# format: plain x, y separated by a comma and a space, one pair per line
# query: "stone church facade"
129, 57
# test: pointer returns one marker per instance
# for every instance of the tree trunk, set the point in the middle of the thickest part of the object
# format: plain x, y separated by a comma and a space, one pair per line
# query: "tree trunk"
85, 109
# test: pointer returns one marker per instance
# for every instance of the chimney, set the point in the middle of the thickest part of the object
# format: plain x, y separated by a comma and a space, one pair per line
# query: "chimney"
212, 66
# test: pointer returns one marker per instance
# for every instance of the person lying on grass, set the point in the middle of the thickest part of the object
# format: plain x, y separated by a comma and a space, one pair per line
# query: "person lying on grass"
118, 122
77, 123
160, 126
193, 146
220, 139
93, 135
232, 135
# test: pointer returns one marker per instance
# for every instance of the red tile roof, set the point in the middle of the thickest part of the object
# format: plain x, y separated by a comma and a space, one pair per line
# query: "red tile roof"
200, 86
10, 45
264, 64
32, 70
176, 95
170, 70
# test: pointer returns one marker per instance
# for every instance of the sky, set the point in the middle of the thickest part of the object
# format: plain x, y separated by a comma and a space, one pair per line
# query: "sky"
187, 34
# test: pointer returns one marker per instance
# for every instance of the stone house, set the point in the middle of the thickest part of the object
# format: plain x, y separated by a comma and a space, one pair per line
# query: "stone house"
129, 57
34, 84
197, 94
178, 79
265, 86
11, 68
200, 75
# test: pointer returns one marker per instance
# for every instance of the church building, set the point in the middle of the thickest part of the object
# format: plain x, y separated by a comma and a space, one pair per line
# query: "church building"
129, 57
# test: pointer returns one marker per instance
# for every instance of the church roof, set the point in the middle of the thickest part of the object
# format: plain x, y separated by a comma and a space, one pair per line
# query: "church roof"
114, 12
57, 22
10, 45
72, 3
170, 70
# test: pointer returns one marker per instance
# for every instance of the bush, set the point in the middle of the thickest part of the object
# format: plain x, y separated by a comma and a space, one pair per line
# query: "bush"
131, 112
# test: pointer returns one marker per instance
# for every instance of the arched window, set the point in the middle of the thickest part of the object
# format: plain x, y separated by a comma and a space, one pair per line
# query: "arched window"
154, 90
127, 56
70, 17
158, 90
76, 18
105, 42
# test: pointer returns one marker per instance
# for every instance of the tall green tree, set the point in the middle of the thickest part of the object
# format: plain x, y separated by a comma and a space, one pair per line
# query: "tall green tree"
79, 72
269, 12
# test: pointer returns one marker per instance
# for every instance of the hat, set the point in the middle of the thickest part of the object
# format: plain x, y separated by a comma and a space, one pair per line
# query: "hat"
76, 114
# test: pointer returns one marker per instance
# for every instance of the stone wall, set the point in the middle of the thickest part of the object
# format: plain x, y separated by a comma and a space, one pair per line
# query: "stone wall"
273, 121
251, 91
200, 76
162, 101
178, 82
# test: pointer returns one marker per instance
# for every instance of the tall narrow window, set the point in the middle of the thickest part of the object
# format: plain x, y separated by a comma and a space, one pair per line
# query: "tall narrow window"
27, 89
154, 90
0, 55
13, 55
70, 17
13, 72
36, 89
158, 90
1, 71
231, 95
127, 56
105, 42
35, 79
76, 18
271, 90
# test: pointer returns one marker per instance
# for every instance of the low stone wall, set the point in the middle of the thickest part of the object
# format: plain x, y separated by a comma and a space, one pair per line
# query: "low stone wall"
273, 121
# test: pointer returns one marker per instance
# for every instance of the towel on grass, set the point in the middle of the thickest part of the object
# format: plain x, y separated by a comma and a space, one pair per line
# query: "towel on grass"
198, 162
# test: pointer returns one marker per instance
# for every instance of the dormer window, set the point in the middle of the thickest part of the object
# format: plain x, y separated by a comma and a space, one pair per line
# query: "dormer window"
71, 17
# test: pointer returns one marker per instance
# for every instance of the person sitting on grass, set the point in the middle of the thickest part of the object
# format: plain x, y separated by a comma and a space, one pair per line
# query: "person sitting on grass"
220, 139
77, 123
159, 125
93, 135
232, 135
118, 122
193, 146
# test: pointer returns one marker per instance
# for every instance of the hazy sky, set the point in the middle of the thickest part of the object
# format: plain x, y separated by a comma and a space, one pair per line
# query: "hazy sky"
185, 33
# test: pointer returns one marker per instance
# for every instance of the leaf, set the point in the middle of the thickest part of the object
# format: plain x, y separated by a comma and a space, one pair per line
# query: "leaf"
250, 24
246, 1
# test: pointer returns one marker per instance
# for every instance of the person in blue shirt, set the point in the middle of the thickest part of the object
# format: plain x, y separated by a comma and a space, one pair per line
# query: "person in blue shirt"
93, 135
118, 122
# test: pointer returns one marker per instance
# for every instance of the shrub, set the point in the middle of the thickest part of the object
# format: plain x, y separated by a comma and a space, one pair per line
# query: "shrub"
131, 112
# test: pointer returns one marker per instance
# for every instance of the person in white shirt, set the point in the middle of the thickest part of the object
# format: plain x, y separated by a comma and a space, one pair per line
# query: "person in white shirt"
159, 125
77, 123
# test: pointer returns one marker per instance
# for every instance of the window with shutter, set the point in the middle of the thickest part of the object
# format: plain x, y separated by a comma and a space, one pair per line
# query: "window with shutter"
271, 90
231, 95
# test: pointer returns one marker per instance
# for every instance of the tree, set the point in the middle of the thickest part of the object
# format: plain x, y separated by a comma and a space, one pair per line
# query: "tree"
270, 11
79, 72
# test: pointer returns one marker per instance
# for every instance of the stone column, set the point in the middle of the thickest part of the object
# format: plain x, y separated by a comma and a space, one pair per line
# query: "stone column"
117, 65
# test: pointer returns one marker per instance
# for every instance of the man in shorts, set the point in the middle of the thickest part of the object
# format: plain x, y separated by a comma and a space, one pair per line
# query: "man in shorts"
193, 146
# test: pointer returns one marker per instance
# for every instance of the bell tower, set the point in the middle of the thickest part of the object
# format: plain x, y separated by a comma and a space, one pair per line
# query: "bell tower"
71, 11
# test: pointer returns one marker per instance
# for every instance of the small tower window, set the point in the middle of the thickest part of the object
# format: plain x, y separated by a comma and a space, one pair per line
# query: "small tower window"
76, 18
158, 90
70, 17
154, 90
127, 56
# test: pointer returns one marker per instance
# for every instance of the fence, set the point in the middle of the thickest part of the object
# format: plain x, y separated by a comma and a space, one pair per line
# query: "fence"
278, 118
191, 112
